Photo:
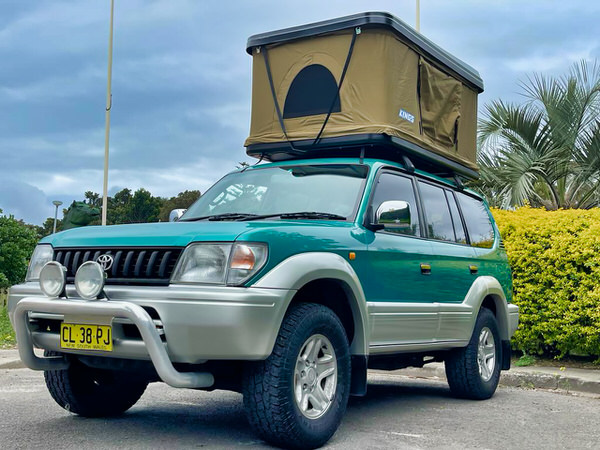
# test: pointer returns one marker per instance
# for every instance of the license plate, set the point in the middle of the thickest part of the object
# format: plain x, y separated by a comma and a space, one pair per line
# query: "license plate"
86, 337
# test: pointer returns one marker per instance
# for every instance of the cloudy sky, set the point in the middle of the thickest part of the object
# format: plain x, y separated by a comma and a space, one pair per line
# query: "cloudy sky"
181, 81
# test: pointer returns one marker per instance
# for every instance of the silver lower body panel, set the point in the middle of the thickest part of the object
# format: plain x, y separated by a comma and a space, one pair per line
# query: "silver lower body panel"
182, 324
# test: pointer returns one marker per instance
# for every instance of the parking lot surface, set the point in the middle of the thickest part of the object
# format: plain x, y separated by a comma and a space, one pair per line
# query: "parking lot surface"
398, 412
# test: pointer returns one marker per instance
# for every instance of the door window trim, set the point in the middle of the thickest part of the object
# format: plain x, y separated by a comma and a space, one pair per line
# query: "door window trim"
415, 179
490, 218
445, 189
369, 215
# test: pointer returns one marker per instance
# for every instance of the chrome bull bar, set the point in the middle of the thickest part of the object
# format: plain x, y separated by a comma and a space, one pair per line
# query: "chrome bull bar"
143, 321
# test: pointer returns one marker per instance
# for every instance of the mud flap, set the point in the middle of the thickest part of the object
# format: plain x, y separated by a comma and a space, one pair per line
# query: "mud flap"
358, 384
505, 355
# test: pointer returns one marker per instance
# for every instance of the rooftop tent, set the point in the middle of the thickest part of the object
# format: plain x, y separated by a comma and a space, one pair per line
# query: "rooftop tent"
365, 79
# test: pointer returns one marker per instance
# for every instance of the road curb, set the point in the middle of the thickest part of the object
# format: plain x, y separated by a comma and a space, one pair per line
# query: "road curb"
13, 364
9, 359
549, 381
529, 378
526, 378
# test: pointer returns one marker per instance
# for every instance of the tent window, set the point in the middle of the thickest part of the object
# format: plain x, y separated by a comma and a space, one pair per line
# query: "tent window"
311, 93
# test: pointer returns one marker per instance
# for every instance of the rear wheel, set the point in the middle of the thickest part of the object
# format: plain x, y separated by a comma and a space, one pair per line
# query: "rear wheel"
297, 397
474, 371
93, 392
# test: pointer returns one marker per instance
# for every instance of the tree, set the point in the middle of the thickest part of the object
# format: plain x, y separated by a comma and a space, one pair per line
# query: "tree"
93, 199
139, 207
546, 151
183, 200
127, 207
48, 226
143, 207
17, 241
118, 207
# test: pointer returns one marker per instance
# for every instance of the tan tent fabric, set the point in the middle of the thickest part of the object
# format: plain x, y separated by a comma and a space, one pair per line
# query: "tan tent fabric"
467, 125
440, 97
379, 94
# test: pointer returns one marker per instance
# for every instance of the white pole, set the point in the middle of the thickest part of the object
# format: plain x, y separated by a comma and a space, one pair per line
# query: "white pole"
108, 107
56, 203
55, 217
418, 27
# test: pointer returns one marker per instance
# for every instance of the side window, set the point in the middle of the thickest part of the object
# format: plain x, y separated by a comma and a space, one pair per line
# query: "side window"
477, 220
437, 214
395, 200
459, 230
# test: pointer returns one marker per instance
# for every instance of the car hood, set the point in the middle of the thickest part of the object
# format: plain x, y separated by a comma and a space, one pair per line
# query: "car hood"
180, 234
161, 234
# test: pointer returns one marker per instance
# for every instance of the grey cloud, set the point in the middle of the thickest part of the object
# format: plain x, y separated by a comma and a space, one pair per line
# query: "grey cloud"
24, 201
182, 80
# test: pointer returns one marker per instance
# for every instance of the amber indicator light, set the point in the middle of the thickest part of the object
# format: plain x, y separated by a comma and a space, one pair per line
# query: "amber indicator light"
243, 258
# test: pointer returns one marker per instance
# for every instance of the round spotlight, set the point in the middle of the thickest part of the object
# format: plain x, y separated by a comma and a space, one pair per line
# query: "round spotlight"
53, 278
89, 280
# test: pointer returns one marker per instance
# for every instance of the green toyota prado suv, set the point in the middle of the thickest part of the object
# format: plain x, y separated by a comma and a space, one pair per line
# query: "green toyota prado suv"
286, 280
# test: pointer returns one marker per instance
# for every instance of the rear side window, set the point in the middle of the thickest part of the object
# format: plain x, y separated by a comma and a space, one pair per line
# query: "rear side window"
391, 187
459, 230
477, 220
437, 214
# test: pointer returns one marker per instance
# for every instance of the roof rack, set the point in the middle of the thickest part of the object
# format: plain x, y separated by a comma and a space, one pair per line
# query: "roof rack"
381, 146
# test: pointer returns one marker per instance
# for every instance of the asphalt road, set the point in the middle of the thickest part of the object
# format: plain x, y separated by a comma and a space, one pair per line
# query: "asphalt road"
398, 412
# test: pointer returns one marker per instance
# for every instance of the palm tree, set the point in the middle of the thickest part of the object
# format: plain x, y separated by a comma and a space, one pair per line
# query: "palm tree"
546, 151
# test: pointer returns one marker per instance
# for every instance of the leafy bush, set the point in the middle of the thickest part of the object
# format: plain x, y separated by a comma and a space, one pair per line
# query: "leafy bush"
17, 241
7, 335
555, 259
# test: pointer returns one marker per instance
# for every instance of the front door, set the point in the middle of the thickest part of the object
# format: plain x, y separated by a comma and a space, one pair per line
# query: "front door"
398, 283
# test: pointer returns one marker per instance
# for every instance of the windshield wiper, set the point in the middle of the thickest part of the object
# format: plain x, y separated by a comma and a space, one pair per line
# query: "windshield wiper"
225, 216
300, 215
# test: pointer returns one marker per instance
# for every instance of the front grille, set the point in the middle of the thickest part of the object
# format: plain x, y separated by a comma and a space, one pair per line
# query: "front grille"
132, 266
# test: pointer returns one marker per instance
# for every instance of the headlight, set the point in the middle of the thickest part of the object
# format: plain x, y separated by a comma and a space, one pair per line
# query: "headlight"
89, 280
41, 255
53, 278
219, 263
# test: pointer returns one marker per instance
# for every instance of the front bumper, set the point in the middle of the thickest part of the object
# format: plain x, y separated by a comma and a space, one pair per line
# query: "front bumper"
175, 324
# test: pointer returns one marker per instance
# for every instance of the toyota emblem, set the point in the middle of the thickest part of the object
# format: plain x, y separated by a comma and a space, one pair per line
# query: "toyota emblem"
106, 261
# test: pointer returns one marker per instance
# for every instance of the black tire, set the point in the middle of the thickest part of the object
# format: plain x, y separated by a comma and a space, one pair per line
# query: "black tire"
463, 372
269, 398
93, 392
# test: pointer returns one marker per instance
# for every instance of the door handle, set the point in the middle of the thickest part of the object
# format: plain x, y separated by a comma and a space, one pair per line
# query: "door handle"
426, 269
473, 269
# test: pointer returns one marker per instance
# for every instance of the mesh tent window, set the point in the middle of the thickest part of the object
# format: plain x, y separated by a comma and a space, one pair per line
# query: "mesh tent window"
311, 93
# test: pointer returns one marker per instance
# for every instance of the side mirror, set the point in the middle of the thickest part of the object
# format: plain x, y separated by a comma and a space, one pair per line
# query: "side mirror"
394, 215
176, 214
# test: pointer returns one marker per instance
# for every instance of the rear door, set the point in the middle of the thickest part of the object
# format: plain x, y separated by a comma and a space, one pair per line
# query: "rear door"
484, 238
452, 260
453, 263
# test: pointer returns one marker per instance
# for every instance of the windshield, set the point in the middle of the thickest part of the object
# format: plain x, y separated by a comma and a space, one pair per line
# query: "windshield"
324, 188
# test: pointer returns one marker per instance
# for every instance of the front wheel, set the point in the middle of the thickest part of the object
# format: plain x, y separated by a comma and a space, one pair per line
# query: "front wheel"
474, 371
297, 397
93, 392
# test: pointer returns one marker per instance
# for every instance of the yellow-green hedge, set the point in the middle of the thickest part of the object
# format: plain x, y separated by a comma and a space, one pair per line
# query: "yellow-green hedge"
555, 260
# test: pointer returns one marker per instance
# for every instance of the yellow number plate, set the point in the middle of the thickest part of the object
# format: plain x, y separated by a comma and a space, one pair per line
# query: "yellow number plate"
86, 337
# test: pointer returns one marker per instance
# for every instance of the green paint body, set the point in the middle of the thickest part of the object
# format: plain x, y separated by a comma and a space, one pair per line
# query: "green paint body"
388, 265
